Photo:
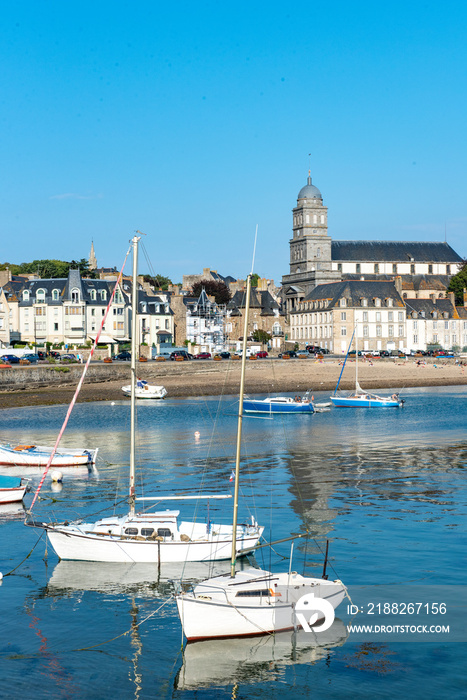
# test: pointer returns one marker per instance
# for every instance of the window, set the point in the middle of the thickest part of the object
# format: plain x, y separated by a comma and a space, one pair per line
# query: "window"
343, 331
343, 315
448, 269
415, 340
342, 302
377, 301
435, 325
103, 295
415, 323
435, 338
376, 268
389, 302
40, 296
75, 296
40, 310
430, 269
394, 268
365, 315
93, 294
378, 315
55, 294
166, 324
358, 268
412, 269
401, 315
446, 325
55, 326
322, 218
401, 331
390, 315
339, 267
365, 331
318, 252
390, 331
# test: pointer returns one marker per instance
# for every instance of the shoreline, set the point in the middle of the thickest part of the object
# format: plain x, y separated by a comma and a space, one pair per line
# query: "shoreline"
190, 379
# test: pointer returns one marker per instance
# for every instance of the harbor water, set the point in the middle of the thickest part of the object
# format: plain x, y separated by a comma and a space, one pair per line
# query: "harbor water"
387, 489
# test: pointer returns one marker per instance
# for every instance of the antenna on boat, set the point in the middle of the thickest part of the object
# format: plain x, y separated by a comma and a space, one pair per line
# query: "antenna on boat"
325, 561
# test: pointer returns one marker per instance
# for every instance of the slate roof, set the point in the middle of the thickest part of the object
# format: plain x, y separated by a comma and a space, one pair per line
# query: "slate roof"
393, 251
355, 291
425, 307
259, 300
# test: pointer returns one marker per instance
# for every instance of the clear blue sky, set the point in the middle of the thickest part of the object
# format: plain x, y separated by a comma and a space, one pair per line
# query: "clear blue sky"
193, 121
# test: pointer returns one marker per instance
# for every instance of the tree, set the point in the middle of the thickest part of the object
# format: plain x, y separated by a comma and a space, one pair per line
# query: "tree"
158, 281
261, 336
218, 290
254, 280
458, 283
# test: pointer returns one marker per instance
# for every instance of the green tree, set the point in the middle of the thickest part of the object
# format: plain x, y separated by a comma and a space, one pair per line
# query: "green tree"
261, 336
158, 281
458, 283
254, 280
218, 290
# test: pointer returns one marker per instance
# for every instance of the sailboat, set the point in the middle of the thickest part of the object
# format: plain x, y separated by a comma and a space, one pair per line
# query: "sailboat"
252, 602
148, 536
360, 398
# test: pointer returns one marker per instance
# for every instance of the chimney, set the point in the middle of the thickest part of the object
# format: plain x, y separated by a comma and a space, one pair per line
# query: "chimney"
452, 297
398, 284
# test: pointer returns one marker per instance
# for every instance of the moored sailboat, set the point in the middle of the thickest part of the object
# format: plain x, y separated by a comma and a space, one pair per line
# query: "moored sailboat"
148, 536
251, 602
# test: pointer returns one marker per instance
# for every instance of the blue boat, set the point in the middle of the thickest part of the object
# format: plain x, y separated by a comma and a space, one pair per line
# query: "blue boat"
360, 398
278, 404
12, 489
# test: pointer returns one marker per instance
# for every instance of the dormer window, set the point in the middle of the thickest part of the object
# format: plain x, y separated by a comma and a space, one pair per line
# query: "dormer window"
343, 302
364, 301
435, 314
389, 302
75, 296
26, 295
55, 294
93, 294
377, 301
103, 295
40, 296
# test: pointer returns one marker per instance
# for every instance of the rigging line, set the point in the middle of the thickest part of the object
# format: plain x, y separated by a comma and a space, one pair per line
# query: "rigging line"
26, 557
80, 383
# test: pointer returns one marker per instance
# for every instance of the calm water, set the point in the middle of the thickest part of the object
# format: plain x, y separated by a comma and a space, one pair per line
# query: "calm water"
387, 488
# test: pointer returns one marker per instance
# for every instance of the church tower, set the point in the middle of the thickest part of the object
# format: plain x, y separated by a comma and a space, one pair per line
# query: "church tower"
92, 262
310, 246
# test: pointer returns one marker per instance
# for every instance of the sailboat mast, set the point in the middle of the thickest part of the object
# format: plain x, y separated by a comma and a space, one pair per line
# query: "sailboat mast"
239, 428
356, 358
134, 332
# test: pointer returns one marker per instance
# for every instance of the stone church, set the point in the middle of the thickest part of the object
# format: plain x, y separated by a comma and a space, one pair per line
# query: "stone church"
424, 267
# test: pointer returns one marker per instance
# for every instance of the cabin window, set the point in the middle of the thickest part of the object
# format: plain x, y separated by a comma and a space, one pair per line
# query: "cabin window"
164, 532
253, 594
131, 531
147, 531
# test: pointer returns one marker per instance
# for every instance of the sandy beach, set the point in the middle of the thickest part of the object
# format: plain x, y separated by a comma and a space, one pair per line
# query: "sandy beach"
205, 378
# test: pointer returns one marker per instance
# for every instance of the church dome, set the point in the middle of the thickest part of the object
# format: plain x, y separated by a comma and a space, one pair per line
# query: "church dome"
309, 191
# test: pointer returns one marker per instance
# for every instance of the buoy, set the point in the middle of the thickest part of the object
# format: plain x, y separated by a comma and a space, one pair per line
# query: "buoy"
57, 477
112, 403
197, 433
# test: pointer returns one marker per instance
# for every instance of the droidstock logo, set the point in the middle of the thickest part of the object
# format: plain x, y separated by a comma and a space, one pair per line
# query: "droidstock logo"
314, 608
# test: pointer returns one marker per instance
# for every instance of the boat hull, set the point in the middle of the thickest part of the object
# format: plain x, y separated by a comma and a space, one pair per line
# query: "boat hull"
13, 495
270, 406
36, 456
349, 402
70, 543
211, 619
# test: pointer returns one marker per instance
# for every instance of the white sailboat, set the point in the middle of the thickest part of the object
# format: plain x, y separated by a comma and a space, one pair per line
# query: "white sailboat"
250, 602
360, 398
12, 455
144, 390
148, 536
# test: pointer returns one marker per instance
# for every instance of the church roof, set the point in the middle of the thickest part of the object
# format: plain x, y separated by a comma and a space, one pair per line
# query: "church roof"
309, 191
394, 251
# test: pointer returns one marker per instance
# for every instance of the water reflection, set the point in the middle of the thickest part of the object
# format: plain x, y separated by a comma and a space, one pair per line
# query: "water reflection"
255, 660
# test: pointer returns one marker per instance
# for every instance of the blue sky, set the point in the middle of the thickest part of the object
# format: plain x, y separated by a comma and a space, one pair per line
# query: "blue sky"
193, 122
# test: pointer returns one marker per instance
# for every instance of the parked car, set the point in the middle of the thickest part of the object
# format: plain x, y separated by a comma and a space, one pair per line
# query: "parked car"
124, 355
54, 354
10, 359
289, 353
224, 355
42, 355
203, 356
180, 354
261, 354
68, 357
384, 353
31, 357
